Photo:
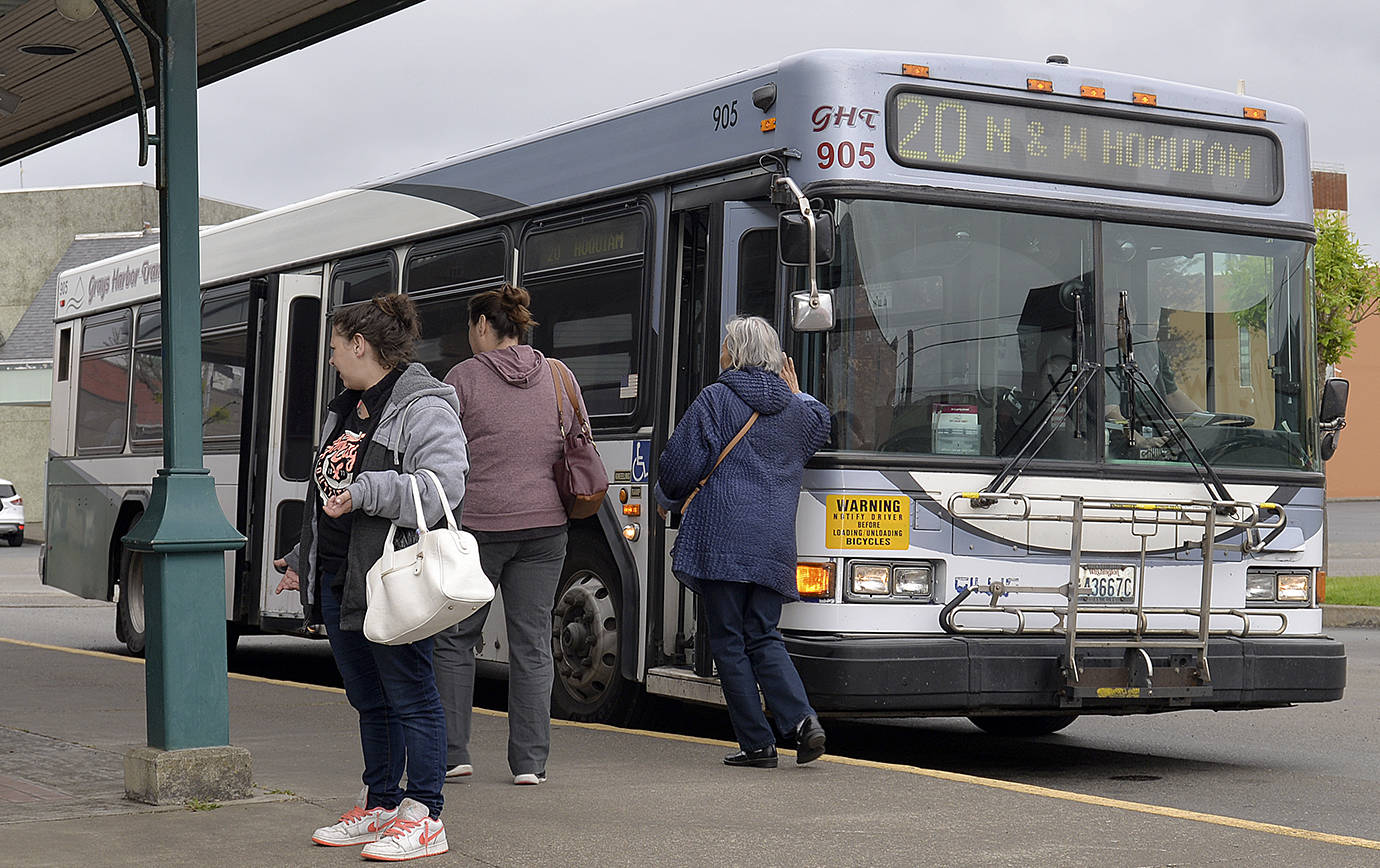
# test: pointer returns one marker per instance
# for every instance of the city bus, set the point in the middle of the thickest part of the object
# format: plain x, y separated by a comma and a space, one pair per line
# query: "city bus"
1060, 316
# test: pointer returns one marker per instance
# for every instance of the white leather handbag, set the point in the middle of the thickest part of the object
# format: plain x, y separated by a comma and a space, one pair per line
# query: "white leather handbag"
422, 589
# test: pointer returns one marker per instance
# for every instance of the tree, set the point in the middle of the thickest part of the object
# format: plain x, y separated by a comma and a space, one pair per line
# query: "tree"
1346, 286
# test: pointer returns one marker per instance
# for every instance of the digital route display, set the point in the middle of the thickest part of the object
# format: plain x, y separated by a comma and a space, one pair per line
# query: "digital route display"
1019, 140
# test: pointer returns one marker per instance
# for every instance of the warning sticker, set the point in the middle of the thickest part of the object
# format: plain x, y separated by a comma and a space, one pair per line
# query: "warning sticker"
863, 522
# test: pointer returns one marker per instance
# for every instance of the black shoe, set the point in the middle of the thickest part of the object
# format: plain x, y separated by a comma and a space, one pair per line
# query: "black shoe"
762, 758
809, 741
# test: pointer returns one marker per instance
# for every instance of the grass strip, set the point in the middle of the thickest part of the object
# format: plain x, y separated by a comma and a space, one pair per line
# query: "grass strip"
1352, 591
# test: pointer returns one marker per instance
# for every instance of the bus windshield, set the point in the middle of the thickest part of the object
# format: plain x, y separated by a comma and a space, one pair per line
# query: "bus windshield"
958, 334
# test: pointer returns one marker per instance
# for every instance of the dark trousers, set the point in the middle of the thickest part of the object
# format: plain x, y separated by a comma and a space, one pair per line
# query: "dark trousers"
526, 573
749, 651
401, 723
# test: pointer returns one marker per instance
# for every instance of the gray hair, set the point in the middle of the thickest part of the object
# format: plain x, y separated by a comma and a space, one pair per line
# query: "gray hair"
752, 343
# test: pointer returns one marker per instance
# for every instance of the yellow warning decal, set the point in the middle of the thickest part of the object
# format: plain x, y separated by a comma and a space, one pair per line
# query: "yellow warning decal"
860, 521
1118, 693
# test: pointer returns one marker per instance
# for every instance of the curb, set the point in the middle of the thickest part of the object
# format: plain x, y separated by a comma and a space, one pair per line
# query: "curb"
1351, 616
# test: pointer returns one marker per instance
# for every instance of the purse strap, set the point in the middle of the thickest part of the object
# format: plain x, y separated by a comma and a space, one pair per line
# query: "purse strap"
422, 529
742, 432
561, 374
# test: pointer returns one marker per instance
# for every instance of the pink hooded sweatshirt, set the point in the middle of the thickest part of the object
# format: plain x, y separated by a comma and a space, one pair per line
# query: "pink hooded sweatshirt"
508, 410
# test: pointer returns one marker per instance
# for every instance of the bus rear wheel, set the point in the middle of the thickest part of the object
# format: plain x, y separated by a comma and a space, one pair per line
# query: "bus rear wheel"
129, 608
589, 685
1017, 725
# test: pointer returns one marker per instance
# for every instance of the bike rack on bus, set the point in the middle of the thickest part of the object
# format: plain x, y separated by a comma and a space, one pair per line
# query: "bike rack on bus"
1136, 678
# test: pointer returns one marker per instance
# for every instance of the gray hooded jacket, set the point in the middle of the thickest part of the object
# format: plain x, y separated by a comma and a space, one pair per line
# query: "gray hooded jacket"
419, 428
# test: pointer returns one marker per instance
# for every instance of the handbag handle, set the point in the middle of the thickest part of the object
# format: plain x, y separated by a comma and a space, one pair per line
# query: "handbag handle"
742, 432
422, 529
558, 373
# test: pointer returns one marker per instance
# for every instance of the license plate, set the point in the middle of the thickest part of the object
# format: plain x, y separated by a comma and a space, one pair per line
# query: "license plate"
1106, 584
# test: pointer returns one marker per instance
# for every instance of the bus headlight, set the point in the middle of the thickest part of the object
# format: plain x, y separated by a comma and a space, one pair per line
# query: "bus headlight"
1260, 586
869, 579
1292, 588
883, 582
912, 582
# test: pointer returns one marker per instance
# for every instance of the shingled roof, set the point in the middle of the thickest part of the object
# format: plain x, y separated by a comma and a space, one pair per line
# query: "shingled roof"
32, 338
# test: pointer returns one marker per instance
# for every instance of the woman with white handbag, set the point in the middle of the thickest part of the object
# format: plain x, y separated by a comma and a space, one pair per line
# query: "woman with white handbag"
392, 437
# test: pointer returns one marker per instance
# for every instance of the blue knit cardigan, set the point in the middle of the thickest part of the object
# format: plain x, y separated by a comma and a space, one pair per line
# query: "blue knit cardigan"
741, 526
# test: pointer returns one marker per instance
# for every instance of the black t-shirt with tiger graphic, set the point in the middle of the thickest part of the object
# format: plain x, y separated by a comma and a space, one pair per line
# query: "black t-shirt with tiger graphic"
335, 468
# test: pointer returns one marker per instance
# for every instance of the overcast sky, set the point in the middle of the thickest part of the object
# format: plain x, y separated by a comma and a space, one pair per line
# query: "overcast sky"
446, 76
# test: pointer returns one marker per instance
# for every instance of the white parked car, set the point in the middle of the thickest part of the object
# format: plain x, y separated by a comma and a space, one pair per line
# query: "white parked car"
11, 513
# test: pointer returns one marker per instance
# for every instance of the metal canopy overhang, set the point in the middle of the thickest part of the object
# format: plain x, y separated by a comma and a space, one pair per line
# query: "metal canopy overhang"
66, 95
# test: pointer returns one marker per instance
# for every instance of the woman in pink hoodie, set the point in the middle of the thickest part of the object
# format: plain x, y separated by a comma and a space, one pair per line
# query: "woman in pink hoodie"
508, 410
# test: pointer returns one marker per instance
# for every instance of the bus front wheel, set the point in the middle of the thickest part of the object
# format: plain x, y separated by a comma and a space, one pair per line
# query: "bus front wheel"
1022, 725
129, 608
589, 685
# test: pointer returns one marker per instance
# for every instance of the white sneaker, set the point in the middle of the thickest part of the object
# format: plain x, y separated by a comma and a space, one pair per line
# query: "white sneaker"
412, 835
529, 780
463, 770
356, 826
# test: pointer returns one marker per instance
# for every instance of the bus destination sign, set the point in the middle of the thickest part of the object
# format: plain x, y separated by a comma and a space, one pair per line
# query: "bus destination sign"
1154, 155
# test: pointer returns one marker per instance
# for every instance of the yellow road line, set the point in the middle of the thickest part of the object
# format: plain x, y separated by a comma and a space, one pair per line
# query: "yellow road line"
935, 774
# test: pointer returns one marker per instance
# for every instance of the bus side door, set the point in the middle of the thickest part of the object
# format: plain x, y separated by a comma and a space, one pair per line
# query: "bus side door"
728, 266
283, 438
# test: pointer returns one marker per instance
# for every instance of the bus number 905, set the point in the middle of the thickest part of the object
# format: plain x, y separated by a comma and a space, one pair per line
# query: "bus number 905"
846, 154
726, 115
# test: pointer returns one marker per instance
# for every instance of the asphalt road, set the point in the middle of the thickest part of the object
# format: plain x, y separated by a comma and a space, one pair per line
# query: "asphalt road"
1313, 767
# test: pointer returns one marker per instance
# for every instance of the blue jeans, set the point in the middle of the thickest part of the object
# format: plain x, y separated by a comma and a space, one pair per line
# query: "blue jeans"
749, 651
526, 572
401, 723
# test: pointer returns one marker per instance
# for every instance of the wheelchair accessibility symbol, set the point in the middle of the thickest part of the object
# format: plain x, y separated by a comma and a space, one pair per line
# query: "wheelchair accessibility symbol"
641, 460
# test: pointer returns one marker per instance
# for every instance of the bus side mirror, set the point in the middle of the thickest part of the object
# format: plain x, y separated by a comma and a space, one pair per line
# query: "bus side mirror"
1332, 419
795, 238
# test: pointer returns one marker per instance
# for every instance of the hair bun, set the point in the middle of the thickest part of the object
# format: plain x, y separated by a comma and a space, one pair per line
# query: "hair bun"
515, 296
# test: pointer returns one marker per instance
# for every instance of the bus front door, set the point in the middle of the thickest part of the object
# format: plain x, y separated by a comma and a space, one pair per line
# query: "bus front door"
727, 266
289, 361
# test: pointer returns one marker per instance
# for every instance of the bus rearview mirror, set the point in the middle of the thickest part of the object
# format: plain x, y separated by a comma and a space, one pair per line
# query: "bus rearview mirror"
812, 312
795, 238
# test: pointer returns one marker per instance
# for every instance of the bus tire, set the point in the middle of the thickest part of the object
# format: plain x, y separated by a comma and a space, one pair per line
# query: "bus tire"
233, 632
129, 608
1018, 725
589, 685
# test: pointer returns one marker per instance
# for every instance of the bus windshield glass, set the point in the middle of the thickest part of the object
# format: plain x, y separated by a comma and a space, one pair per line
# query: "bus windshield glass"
1218, 329
958, 335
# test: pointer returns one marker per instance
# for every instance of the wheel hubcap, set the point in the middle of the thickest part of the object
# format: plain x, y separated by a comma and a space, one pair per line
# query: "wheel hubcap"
585, 637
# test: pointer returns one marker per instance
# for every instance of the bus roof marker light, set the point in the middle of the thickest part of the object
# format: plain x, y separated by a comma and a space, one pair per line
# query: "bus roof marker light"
1255, 114
768, 125
1141, 98
1043, 85
915, 70
1091, 91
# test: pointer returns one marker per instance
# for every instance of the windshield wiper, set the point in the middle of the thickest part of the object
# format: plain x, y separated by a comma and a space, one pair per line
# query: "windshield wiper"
1079, 376
1132, 378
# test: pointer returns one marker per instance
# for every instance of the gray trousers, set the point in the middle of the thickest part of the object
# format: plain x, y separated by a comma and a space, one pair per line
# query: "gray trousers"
527, 572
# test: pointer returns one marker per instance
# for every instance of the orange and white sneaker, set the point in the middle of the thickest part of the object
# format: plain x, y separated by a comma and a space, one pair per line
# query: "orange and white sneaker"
412, 835
356, 826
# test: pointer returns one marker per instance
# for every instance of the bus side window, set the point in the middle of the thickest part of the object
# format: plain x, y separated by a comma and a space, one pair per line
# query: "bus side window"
103, 383
588, 284
442, 277
64, 354
757, 273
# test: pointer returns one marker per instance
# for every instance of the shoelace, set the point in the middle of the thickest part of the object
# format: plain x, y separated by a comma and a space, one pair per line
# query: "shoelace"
355, 813
401, 827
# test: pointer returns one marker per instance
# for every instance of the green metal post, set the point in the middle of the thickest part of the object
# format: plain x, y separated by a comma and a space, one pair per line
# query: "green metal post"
184, 531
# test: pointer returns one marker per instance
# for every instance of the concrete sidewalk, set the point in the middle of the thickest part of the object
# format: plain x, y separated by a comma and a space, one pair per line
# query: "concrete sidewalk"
614, 797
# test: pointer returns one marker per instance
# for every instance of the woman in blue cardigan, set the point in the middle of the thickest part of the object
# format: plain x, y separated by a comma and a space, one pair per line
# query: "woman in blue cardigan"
736, 546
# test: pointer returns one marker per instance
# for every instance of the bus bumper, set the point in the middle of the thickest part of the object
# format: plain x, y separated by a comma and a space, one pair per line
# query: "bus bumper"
967, 674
